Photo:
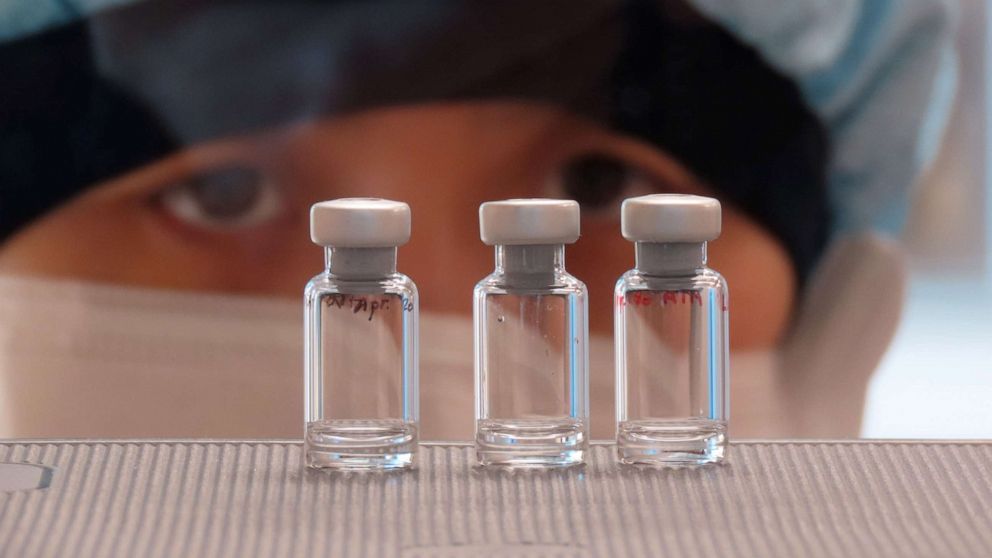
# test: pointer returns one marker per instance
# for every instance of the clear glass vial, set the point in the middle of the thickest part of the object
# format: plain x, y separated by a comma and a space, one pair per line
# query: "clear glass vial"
531, 331
361, 400
670, 312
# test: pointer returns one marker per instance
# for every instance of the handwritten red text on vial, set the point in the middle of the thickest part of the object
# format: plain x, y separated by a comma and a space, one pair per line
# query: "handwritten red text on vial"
662, 298
364, 304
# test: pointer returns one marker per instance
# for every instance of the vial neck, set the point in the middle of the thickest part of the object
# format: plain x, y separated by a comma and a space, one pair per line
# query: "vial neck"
530, 259
360, 263
670, 258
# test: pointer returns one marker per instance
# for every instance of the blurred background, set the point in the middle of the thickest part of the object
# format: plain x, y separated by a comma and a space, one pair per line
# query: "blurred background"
158, 159
934, 381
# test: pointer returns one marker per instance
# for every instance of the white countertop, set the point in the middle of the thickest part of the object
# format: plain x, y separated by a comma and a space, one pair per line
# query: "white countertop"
251, 498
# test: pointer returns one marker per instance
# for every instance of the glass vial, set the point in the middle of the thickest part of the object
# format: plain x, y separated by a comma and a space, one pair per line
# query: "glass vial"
531, 331
361, 400
670, 316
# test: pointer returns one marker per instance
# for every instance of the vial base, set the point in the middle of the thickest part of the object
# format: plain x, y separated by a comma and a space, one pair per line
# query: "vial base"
531, 443
672, 443
361, 445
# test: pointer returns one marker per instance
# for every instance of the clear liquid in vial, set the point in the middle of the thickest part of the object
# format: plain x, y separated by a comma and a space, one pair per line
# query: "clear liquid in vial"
532, 392
672, 390
362, 400
361, 444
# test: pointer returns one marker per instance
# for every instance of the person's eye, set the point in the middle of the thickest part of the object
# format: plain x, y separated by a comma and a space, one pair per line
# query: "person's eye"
598, 181
228, 198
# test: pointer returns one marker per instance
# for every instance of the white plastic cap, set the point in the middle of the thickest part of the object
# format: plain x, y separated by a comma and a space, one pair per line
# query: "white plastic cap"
670, 218
529, 221
360, 223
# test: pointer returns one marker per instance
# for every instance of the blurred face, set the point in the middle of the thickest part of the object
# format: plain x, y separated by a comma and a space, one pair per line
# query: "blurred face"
232, 215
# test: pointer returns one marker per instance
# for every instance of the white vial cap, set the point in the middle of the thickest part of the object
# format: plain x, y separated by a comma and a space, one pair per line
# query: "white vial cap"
670, 218
360, 223
529, 221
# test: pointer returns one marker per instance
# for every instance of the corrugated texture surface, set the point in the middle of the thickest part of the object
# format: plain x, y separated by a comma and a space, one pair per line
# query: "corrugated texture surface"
253, 499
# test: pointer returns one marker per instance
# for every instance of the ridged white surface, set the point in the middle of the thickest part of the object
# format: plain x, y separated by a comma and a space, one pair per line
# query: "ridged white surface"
253, 499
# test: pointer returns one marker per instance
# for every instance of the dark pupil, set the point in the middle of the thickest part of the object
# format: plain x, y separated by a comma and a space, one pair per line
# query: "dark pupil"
594, 180
227, 193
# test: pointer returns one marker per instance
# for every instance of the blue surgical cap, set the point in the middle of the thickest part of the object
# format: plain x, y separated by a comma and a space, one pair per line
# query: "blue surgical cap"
880, 74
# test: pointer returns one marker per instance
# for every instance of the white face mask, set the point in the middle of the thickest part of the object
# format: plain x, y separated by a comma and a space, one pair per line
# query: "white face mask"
85, 360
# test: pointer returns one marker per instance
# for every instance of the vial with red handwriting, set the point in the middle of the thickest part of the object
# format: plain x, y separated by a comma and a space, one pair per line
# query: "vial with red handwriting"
361, 400
670, 319
531, 331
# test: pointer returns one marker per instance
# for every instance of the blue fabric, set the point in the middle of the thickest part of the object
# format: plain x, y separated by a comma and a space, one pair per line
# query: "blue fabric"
881, 74
24, 17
